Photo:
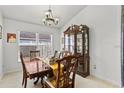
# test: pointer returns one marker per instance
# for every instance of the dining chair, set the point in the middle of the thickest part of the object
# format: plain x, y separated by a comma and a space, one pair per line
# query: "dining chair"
54, 57
25, 73
34, 55
65, 53
65, 77
55, 54
60, 55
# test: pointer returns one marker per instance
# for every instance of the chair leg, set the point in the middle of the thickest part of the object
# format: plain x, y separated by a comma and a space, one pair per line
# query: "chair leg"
42, 82
25, 83
36, 80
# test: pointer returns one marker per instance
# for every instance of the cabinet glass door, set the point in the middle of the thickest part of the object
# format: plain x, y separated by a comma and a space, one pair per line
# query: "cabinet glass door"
66, 39
79, 43
86, 43
71, 44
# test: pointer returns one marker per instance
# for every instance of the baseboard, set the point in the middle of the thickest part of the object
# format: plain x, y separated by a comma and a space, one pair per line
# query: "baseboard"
11, 71
107, 81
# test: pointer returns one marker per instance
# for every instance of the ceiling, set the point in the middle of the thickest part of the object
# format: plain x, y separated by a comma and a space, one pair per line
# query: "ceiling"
34, 13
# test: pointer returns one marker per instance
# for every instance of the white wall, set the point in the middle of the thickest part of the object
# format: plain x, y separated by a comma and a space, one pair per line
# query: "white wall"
105, 29
11, 49
1, 51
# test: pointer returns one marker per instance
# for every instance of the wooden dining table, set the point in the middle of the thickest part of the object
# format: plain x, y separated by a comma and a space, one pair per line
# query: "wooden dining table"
37, 69
40, 68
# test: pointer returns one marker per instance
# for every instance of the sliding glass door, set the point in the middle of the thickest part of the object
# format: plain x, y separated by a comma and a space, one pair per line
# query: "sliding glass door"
30, 41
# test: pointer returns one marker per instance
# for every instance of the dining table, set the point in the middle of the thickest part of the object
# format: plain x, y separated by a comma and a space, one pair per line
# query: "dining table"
40, 67
37, 69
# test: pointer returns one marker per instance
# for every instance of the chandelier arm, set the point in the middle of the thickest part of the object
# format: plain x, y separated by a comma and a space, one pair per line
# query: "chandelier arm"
49, 20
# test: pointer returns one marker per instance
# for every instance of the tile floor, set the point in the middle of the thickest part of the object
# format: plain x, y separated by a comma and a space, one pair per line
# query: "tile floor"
13, 80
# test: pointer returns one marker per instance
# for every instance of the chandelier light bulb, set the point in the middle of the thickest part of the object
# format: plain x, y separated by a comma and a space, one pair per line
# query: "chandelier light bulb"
47, 13
56, 19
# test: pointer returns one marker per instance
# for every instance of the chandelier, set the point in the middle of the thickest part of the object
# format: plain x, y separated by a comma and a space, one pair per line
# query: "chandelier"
49, 19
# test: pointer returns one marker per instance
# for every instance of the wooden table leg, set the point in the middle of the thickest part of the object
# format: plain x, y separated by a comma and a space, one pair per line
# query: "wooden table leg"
36, 80
42, 81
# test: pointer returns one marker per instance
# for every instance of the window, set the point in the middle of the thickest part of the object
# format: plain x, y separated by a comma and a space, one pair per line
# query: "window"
27, 38
44, 44
35, 41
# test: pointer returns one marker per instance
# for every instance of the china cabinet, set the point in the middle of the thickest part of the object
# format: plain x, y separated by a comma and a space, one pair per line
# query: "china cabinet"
76, 41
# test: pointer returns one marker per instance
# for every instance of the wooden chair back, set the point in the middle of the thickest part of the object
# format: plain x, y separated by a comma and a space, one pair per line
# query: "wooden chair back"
23, 65
34, 54
68, 72
64, 54
55, 54
24, 70
60, 55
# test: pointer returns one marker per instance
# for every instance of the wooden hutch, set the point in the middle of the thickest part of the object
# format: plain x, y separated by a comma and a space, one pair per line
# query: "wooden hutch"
76, 41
